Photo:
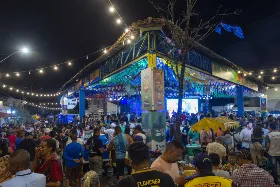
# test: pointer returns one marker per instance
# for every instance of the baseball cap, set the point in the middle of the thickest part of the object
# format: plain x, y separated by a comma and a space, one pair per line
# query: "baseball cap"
47, 130
202, 161
113, 125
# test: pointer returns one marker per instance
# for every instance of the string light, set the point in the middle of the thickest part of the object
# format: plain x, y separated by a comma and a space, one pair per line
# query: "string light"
7, 75
261, 72
126, 30
118, 21
41, 71
245, 74
55, 68
275, 70
128, 41
273, 78
105, 51
69, 64
259, 76
112, 9
250, 73
17, 74
132, 37
31, 94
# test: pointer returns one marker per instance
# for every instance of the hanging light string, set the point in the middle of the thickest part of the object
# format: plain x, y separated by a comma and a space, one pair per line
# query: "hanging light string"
30, 103
113, 9
55, 66
261, 73
22, 92
40, 106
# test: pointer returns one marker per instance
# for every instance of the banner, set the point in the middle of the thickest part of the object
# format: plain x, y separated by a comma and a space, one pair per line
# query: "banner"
152, 89
229, 74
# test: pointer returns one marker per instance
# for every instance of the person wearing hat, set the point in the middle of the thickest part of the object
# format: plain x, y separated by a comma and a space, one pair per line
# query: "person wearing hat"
249, 174
205, 175
143, 175
46, 136
138, 135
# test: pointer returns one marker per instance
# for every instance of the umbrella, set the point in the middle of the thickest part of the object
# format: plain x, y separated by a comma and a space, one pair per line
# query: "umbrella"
229, 124
207, 124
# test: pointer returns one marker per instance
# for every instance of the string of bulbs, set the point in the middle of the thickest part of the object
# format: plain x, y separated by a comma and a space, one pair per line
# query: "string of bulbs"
40, 106
261, 73
22, 92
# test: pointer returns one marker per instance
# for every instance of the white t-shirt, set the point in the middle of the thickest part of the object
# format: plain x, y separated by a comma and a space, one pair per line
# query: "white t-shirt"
171, 169
110, 133
274, 149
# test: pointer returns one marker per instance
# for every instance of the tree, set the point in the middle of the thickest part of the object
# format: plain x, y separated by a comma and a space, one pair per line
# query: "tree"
186, 32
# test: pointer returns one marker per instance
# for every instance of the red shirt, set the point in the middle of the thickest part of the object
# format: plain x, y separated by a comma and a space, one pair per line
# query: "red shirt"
12, 139
55, 169
45, 137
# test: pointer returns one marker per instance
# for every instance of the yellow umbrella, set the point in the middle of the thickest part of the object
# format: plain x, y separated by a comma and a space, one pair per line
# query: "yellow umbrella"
229, 124
207, 124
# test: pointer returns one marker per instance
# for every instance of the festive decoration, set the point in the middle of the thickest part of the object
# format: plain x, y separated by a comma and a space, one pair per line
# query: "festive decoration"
236, 30
31, 94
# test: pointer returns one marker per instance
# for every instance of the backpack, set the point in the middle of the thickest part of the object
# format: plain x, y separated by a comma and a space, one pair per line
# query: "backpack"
91, 149
47, 173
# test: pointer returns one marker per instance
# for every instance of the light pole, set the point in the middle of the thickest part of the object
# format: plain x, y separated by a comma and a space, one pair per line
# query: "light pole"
23, 50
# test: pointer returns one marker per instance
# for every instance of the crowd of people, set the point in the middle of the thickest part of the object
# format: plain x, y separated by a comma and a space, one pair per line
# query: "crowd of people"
80, 155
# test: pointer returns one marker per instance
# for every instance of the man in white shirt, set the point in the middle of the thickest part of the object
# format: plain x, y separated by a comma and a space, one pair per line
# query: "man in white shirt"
110, 132
168, 162
19, 165
245, 136
273, 149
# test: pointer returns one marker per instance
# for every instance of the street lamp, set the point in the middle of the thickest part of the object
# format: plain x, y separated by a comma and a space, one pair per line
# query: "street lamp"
24, 50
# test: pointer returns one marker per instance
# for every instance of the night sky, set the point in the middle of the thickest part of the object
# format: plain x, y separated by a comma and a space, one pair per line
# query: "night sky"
61, 30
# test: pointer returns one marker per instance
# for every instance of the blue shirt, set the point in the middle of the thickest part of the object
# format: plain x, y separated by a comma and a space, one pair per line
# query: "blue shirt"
18, 141
26, 178
72, 151
120, 142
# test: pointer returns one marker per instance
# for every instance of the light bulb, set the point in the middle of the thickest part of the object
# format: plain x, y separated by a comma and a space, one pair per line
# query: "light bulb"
112, 9
7, 75
273, 78
259, 76
41, 71
118, 21
11, 88
132, 37
55, 68
250, 73
239, 72
128, 41
105, 51
17, 74
126, 30
275, 70
17, 90
261, 72
4, 86
69, 63
276, 89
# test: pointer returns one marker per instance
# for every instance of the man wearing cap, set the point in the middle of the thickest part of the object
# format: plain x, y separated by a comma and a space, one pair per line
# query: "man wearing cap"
205, 176
138, 135
250, 174
46, 136
273, 149
144, 175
